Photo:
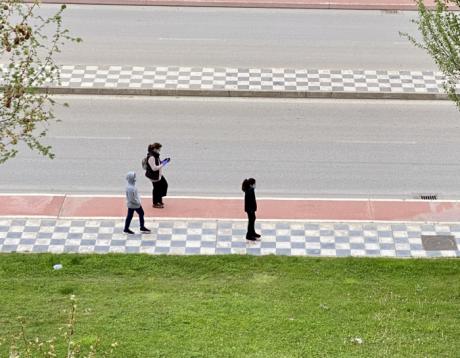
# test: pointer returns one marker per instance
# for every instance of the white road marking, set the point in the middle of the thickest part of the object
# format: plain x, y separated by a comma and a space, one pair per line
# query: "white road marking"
180, 218
232, 198
375, 142
32, 194
91, 138
186, 39
163, 218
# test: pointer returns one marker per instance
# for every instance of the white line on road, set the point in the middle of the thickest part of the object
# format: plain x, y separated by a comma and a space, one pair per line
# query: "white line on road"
375, 142
86, 137
92, 195
187, 39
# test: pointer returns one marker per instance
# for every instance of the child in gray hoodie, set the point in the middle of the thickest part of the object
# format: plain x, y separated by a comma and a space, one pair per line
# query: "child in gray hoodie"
134, 204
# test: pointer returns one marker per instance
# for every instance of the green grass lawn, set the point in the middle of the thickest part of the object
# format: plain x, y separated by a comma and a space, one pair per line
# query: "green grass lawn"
238, 306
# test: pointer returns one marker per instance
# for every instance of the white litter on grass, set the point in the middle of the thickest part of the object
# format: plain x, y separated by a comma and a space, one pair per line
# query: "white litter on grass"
357, 340
57, 266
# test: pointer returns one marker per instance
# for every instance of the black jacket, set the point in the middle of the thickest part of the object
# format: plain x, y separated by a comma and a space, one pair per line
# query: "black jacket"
153, 174
250, 204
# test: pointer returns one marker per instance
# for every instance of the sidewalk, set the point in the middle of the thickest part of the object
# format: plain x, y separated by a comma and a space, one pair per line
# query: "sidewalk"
287, 4
250, 82
201, 226
184, 208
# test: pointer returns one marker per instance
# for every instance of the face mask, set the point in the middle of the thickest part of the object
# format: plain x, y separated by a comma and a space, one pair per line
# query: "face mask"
253, 186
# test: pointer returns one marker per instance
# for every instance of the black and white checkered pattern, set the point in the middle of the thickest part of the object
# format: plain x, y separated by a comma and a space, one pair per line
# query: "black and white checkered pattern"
251, 79
196, 237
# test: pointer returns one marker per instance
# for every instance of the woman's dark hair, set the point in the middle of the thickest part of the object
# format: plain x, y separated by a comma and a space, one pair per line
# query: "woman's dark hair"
153, 146
247, 183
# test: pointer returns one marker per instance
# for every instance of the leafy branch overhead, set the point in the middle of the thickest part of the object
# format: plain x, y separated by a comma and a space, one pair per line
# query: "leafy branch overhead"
440, 30
28, 44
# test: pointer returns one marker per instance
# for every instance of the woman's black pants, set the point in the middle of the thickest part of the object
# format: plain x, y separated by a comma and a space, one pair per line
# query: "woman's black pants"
160, 189
251, 222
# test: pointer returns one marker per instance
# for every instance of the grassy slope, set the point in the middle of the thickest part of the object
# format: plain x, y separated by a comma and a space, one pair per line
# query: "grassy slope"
239, 306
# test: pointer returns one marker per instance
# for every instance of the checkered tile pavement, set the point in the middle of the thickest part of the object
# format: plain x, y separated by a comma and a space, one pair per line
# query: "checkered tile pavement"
251, 79
223, 237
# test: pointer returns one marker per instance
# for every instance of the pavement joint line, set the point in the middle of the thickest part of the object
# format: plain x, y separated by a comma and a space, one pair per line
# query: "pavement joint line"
61, 208
370, 207
154, 218
167, 218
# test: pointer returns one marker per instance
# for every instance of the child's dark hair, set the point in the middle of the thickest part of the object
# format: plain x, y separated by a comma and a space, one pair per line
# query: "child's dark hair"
247, 183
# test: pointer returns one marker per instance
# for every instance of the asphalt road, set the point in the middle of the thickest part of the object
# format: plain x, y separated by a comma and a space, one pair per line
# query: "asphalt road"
317, 39
295, 148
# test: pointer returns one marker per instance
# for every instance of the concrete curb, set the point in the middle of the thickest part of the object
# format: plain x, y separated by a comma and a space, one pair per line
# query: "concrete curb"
237, 93
320, 4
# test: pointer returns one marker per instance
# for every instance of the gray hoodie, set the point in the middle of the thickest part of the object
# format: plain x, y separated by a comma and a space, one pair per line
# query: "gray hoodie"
132, 197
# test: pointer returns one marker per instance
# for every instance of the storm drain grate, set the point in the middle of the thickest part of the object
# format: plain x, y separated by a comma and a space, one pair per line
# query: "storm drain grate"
439, 242
427, 196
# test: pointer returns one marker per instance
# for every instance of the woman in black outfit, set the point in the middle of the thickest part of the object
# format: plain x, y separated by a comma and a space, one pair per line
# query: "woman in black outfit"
250, 207
155, 165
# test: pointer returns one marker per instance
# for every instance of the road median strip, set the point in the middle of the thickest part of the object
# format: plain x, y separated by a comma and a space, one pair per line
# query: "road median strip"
248, 82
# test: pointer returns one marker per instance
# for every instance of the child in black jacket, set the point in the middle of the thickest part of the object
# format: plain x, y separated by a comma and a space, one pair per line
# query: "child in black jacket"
250, 207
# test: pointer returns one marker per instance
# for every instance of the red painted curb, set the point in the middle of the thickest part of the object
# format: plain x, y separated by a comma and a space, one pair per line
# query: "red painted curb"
203, 208
299, 4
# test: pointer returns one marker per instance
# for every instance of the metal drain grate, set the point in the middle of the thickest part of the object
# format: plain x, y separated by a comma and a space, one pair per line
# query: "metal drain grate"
439, 242
427, 196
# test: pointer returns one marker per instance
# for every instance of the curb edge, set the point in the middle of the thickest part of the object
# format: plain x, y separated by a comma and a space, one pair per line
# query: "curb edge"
241, 94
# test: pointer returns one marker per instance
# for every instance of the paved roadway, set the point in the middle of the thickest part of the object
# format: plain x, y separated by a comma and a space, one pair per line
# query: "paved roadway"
326, 39
298, 148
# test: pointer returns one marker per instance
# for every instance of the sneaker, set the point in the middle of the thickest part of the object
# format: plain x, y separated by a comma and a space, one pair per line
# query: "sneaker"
127, 231
144, 229
256, 235
158, 206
